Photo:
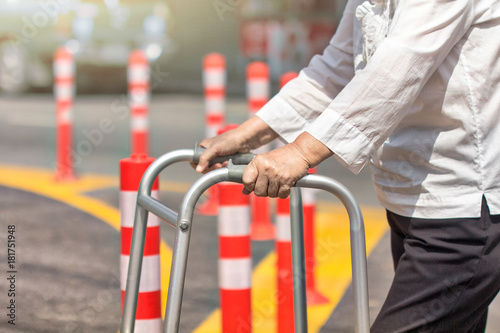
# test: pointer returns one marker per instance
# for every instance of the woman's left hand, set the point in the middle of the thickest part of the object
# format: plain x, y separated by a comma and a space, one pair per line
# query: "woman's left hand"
274, 173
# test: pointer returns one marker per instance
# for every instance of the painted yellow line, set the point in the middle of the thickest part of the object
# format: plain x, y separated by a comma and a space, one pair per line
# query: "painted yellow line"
333, 270
71, 193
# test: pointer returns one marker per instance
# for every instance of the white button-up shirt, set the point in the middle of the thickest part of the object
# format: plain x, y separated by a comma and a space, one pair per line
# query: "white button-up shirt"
413, 88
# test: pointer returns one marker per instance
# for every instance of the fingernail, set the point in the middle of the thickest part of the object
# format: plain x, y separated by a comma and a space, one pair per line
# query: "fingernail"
199, 168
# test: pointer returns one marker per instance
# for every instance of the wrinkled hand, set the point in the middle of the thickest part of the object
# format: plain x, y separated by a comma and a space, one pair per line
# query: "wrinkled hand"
273, 174
225, 144
252, 134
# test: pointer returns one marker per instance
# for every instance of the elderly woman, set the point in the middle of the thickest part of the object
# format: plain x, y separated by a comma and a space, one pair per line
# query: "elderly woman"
411, 88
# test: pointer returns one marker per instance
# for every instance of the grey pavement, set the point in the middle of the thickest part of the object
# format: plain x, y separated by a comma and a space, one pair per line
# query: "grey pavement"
66, 281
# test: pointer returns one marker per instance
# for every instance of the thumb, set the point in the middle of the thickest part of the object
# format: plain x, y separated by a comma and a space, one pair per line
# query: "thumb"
200, 167
204, 161
249, 178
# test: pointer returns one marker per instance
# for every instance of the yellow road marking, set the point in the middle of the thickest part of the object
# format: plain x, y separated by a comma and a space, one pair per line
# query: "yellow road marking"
333, 271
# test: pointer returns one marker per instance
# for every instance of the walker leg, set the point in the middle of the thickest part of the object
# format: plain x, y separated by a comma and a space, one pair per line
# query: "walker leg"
360, 277
298, 259
177, 277
134, 270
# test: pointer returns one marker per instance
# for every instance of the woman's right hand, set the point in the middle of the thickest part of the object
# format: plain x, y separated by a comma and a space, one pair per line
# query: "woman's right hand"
252, 134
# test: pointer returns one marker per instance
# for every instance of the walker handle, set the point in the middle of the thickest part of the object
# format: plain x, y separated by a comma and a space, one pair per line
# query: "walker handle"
238, 159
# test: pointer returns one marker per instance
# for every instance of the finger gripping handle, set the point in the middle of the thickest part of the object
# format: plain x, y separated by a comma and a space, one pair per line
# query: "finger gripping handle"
238, 159
235, 172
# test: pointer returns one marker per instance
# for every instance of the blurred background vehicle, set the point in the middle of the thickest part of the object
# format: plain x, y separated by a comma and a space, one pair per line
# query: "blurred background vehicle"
27, 42
175, 35
284, 33
100, 34
104, 32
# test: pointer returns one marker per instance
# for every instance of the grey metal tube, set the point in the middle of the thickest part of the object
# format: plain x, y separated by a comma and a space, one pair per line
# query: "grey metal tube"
139, 235
134, 270
298, 259
237, 159
183, 155
181, 246
156, 207
358, 247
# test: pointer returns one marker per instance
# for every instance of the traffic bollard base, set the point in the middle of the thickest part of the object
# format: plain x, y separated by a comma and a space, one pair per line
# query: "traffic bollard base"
64, 177
314, 297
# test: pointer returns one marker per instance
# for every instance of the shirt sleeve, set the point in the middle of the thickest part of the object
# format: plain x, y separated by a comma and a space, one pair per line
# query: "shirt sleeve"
354, 115
303, 99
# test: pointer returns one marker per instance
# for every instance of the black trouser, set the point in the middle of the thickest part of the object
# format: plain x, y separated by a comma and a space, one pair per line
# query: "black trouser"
447, 274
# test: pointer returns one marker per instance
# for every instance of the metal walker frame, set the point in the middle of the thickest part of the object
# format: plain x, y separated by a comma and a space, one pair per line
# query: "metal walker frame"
183, 223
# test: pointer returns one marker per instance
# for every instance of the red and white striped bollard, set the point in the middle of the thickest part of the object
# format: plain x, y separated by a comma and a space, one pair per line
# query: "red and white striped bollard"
214, 87
283, 244
285, 310
148, 316
258, 90
314, 297
64, 92
139, 94
235, 257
